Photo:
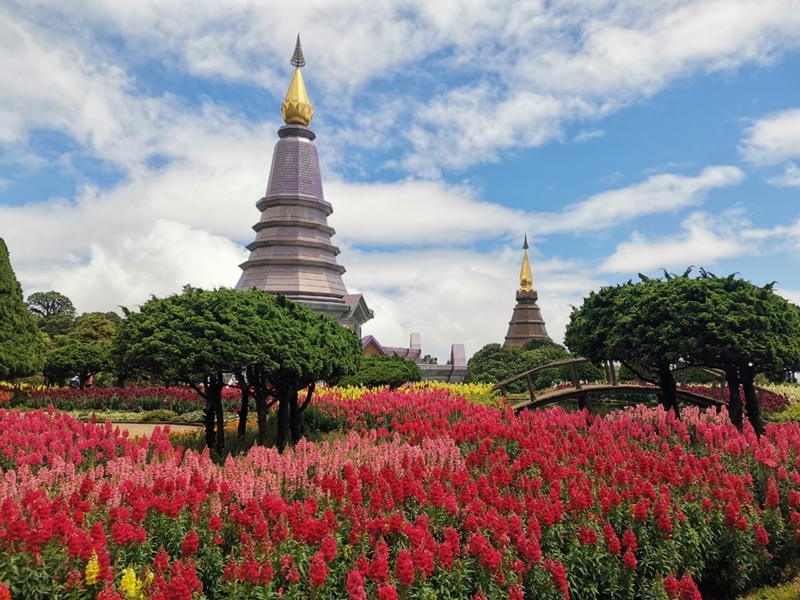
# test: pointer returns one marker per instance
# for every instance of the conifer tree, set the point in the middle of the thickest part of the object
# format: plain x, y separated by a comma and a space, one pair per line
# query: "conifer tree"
21, 345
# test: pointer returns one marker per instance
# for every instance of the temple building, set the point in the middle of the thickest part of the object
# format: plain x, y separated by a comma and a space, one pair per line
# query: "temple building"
292, 253
526, 321
454, 371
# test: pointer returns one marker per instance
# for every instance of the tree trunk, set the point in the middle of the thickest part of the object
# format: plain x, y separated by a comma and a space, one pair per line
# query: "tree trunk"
213, 412
735, 401
243, 410
208, 420
261, 412
752, 405
220, 423
666, 382
283, 421
295, 424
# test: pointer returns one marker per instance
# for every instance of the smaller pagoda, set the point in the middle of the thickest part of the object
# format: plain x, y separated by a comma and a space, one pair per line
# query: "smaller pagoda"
526, 322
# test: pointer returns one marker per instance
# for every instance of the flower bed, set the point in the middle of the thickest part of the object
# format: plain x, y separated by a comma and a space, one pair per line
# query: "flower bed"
183, 399
177, 399
771, 401
427, 496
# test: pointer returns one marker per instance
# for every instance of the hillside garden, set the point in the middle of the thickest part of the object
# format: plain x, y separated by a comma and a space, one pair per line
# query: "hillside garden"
317, 474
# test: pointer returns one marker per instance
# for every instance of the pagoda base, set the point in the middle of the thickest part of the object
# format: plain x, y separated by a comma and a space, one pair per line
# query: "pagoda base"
526, 321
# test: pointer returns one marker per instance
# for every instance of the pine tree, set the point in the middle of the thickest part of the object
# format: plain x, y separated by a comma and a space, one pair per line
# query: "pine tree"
21, 345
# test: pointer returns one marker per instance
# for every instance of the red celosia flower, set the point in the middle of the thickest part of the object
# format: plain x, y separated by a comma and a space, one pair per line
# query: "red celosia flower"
773, 499
688, 589
587, 536
612, 541
230, 571
671, 586
329, 548
404, 568
108, 593
387, 592
559, 574
515, 593
629, 560
762, 537
5, 592
379, 566
629, 541
190, 544
215, 523
355, 586
161, 561
318, 572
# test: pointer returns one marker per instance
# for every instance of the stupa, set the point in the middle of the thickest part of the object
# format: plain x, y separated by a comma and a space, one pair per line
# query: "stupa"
292, 253
526, 321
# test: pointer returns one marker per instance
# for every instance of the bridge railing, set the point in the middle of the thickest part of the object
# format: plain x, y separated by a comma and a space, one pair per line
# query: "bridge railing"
719, 380
611, 377
572, 363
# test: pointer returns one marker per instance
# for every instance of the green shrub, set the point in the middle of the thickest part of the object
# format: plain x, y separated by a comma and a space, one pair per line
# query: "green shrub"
161, 415
378, 371
786, 591
792, 413
315, 421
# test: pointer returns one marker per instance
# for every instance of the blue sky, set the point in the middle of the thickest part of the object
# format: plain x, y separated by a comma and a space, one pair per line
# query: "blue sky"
622, 136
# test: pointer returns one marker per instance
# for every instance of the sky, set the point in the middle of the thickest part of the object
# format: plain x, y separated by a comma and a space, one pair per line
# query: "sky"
622, 136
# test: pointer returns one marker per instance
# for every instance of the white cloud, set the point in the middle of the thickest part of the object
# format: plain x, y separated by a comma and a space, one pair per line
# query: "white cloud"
459, 296
410, 213
790, 177
704, 240
773, 139
588, 134
519, 78
657, 194
792, 296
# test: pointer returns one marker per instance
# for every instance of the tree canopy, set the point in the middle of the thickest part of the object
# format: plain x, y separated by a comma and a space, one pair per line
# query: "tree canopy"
54, 312
50, 304
294, 348
740, 328
192, 338
632, 324
723, 323
85, 350
21, 344
274, 346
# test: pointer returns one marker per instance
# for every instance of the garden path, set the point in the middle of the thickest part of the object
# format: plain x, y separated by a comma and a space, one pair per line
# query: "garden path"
142, 429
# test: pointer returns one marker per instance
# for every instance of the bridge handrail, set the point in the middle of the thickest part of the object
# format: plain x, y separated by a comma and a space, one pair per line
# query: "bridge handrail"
558, 363
717, 373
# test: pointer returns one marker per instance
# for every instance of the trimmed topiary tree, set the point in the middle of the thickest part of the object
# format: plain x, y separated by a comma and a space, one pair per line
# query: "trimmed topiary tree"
376, 371
21, 344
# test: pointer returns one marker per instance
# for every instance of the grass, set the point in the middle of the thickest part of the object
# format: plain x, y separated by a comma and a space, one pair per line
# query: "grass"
784, 591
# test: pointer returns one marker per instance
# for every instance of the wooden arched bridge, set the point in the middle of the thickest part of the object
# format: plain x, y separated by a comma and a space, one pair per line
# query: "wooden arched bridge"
583, 392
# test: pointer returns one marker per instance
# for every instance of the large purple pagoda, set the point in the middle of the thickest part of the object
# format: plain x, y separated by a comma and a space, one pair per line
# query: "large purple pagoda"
526, 321
292, 253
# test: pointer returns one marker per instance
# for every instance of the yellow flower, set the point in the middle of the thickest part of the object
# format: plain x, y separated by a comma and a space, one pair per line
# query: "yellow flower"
92, 570
130, 584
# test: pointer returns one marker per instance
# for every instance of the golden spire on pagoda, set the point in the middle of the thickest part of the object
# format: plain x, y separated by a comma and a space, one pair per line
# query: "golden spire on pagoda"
296, 108
525, 274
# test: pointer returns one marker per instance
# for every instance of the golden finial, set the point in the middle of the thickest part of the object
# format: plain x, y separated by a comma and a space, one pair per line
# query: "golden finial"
525, 274
296, 108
